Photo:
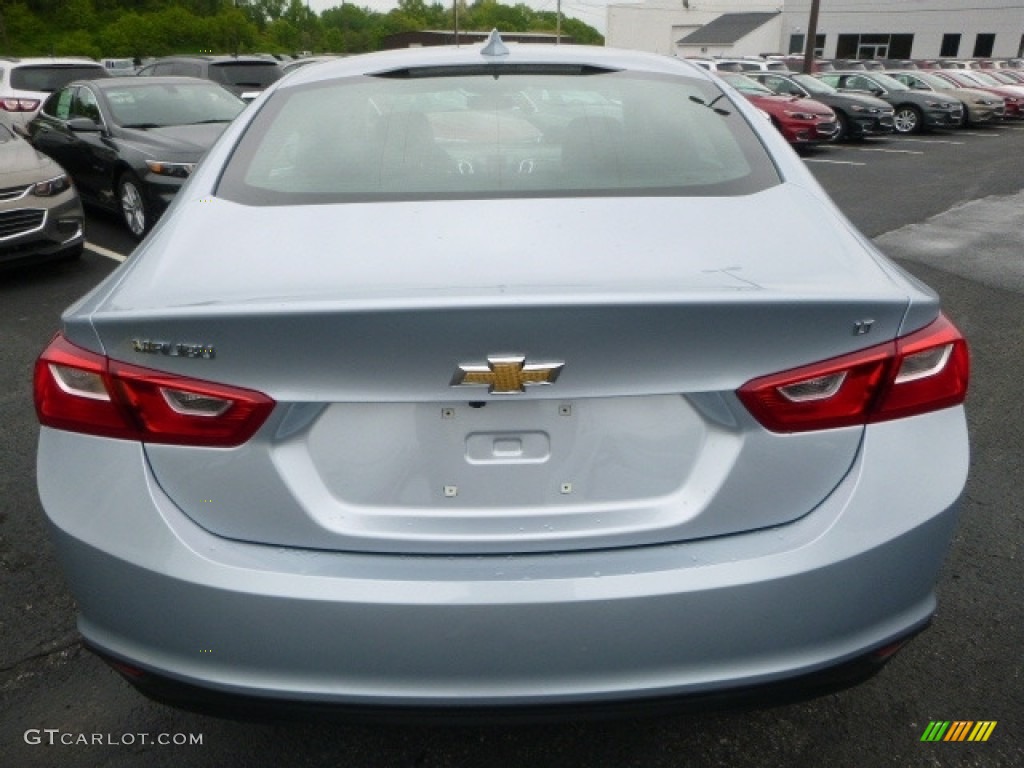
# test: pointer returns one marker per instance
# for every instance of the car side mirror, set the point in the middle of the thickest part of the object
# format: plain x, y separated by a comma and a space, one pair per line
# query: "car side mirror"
83, 125
877, 92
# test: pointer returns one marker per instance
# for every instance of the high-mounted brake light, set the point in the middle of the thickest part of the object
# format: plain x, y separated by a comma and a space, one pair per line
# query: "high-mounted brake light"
924, 371
81, 391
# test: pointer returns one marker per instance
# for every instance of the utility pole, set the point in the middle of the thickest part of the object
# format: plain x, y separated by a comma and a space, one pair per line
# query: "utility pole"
812, 36
558, 24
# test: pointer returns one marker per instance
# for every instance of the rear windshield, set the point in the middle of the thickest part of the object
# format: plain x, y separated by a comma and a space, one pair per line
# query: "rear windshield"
52, 77
477, 135
252, 74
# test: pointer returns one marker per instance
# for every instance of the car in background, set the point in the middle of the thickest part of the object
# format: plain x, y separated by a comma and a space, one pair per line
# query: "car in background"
25, 83
303, 61
1013, 97
858, 115
913, 110
40, 212
120, 67
980, 107
130, 143
801, 121
751, 64
244, 76
407, 408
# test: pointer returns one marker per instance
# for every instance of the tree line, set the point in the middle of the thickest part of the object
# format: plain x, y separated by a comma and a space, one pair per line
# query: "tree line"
144, 28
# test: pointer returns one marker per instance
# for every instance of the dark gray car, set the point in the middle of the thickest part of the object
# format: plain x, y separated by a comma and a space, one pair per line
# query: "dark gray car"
914, 110
245, 76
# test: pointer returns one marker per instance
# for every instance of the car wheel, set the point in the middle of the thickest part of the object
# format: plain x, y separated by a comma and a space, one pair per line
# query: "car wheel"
133, 205
907, 119
844, 127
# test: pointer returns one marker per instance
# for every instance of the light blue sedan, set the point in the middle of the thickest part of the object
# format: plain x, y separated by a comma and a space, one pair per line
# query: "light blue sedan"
500, 378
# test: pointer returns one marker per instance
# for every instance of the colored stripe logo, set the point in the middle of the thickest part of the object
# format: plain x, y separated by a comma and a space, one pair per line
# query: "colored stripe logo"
959, 730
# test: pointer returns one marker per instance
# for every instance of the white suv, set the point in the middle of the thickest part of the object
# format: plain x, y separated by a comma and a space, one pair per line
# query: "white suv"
25, 84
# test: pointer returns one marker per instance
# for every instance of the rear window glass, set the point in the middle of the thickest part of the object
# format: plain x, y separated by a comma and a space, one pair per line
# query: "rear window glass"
253, 75
51, 77
476, 135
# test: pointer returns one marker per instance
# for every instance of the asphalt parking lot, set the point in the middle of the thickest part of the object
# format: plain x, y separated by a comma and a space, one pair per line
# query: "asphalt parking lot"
949, 206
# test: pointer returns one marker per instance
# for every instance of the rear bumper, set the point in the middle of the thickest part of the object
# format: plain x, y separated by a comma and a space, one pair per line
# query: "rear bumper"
763, 611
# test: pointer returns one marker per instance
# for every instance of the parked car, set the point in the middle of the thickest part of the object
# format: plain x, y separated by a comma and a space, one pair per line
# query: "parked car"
289, 66
40, 212
801, 121
857, 114
398, 411
751, 64
980, 107
1013, 97
244, 76
120, 67
25, 83
129, 143
914, 110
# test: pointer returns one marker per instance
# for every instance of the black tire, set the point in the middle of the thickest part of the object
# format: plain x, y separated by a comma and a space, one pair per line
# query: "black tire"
844, 127
907, 119
132, 201
965, 119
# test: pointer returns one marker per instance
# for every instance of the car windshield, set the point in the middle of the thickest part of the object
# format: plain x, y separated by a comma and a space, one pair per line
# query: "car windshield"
51, 77
888, 83
982, 78
252, 74
461, 136
812, 84
154, 105
934, 81
744, 84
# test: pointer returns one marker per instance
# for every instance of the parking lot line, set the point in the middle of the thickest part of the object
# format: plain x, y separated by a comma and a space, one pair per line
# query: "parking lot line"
983, 135
891, 151
101, 251
931, 141
832, 162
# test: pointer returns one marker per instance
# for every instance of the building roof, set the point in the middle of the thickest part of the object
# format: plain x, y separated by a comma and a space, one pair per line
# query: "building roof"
728, 28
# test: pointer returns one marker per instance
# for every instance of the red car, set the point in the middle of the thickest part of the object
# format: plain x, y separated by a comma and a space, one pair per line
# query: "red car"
801, 121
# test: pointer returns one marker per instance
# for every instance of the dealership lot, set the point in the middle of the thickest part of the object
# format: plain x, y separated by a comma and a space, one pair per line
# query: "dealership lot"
967, 667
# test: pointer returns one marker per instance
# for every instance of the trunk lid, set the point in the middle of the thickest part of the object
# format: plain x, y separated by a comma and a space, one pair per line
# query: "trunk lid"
357, 319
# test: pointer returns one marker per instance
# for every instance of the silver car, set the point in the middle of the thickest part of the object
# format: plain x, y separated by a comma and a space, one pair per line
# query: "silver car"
41, 214
423, 395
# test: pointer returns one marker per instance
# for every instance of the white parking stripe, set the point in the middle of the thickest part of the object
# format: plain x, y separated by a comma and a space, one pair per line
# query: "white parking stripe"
832, 162
101, 251
983, 135
891, 151
932, 141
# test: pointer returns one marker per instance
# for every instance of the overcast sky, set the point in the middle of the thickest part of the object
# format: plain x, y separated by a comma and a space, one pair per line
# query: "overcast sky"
590, 12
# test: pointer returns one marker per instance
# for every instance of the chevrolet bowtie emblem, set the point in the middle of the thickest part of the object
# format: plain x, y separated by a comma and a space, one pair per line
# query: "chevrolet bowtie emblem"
506, 375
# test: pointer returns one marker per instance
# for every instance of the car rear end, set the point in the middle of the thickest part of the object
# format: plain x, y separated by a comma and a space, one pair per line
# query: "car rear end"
491, 435
29, 81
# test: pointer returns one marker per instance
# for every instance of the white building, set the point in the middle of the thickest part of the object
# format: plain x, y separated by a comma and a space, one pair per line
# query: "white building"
896, 29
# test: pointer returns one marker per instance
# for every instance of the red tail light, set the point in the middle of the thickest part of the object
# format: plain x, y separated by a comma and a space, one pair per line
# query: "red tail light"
80, 391
19, 105
922, 372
